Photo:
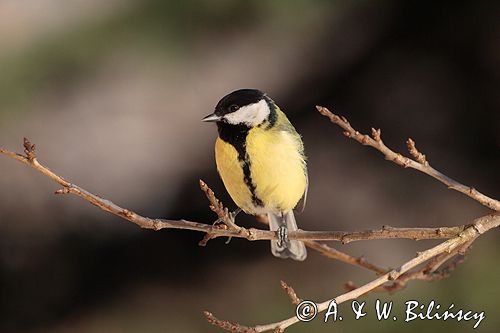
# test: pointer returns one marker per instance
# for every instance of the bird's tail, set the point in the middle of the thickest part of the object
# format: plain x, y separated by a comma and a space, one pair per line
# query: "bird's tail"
290, 248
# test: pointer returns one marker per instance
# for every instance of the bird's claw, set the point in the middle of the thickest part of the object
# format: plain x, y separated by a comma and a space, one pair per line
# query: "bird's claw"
231, 218
282, 236
228, 222
232, 215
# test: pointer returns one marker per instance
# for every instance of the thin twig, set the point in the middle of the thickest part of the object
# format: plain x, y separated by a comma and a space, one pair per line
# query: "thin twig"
291, 293
433, 270
420, 163
225, 220
479, 226
333, 253
223, 230
227, 325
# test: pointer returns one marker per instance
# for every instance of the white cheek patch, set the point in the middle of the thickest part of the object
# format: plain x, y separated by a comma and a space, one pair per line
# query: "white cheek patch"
252, 115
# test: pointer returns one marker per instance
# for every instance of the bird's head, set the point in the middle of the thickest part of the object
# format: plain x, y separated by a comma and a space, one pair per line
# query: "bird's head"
247, 107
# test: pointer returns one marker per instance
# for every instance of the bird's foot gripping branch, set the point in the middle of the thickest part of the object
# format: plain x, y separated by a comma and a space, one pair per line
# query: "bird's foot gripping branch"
431, 264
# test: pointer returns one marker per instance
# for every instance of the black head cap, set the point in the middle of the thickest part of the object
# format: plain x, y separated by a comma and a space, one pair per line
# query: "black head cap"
238, 98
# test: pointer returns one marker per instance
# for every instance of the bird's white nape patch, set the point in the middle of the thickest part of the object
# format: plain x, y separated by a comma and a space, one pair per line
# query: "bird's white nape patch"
252, 114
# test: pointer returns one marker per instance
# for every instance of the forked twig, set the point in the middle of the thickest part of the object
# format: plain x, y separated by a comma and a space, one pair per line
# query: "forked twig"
480, 226
420, 163
441, 259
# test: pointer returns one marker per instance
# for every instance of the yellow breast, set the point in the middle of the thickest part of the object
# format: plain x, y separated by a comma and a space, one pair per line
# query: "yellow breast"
276, 167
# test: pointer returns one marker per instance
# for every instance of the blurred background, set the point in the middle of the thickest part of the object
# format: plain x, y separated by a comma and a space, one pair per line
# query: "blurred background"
112, 93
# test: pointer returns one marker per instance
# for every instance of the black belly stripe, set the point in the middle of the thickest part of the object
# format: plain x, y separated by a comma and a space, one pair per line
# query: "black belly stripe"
248, 178
236, 136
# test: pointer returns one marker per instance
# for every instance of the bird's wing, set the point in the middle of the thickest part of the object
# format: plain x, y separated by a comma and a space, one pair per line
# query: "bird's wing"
303, 200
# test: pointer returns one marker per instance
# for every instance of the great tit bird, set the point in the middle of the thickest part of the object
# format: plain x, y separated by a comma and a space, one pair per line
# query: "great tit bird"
260, 158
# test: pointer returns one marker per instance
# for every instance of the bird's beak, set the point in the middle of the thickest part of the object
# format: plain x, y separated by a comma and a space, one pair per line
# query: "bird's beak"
211, 118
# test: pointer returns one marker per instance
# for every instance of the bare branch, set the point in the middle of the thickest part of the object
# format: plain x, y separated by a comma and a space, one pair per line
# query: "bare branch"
437, 256
420, 163
332, 253
440, 259
479, 226
429, 272
335, 254
218, 208
227, 228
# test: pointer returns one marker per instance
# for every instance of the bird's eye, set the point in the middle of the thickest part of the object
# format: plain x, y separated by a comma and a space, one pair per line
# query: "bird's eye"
233, 107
